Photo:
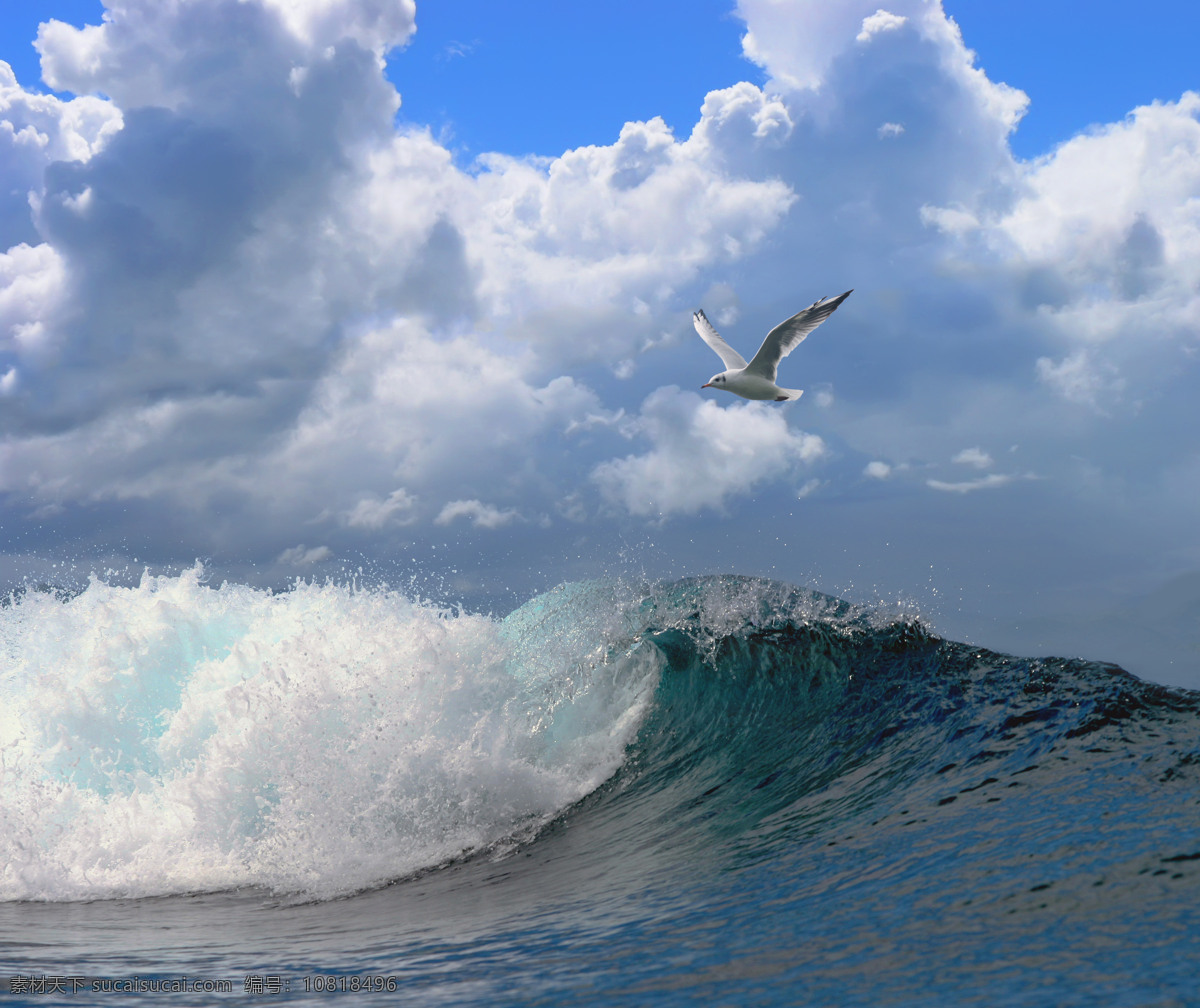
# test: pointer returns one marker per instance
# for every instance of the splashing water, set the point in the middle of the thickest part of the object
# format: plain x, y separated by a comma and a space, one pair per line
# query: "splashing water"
176, 737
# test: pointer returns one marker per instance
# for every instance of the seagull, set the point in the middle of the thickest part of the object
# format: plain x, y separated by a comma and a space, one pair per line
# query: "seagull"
756, 380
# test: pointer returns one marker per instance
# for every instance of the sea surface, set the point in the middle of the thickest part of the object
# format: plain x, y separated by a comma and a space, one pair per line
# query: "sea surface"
715, 791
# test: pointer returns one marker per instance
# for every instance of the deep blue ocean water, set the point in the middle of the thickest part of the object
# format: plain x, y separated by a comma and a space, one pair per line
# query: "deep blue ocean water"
717, 791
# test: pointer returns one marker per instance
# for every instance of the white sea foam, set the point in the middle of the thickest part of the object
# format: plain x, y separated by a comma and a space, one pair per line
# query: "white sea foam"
178, 737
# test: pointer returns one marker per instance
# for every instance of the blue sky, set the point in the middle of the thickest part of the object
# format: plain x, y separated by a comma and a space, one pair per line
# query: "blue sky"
479, 71
304, 289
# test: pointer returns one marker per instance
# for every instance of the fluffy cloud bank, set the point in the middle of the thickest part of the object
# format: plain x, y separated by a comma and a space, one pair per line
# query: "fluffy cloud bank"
701, 454
238, 303
246, 282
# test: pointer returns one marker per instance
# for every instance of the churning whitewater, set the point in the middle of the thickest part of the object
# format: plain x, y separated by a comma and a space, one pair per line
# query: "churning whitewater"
177, 737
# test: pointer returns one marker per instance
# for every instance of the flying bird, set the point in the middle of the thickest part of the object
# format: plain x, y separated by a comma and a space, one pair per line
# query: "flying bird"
756, 380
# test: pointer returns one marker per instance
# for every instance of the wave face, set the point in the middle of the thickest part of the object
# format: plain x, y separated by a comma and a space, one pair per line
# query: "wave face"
177, 737
785, 717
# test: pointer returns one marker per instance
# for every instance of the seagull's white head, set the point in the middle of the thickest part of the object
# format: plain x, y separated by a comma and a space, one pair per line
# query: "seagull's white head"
718, 381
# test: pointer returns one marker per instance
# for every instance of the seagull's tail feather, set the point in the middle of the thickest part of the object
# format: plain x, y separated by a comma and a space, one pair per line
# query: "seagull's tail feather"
789, 394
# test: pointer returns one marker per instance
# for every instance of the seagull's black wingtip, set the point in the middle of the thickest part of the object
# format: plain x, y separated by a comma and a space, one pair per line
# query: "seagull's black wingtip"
833, 302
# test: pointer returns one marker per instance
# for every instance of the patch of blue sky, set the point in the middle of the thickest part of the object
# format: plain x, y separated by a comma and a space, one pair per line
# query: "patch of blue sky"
543, 77
1081, 64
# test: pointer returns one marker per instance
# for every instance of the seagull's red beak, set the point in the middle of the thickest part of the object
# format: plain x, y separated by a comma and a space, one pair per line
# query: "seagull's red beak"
707, 385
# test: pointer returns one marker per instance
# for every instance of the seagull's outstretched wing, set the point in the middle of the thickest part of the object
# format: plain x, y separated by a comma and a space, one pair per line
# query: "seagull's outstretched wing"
733, 360
788, 335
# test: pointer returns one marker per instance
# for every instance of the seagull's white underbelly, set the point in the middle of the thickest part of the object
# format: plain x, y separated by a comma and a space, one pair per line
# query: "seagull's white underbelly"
752, 387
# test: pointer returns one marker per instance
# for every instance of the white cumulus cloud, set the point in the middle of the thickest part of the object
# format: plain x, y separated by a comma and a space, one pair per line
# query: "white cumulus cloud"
477, 513
976, 457
702, 454
373, 512
988, 482
303, 556
880, 21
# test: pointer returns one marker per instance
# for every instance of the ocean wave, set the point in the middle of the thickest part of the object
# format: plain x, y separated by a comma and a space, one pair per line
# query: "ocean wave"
785, 714
177, 737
